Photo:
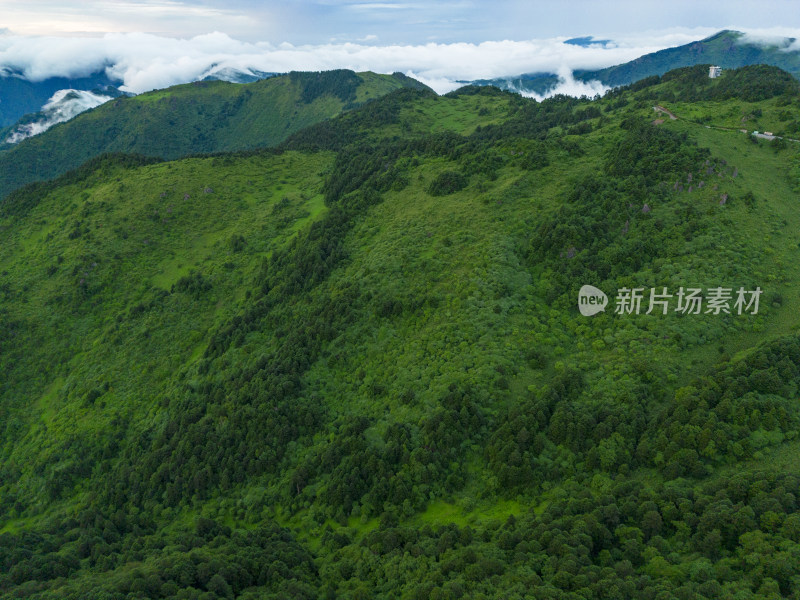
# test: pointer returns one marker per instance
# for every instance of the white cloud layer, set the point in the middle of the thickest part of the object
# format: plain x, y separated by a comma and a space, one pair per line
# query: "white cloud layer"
774, 37
770, 37
145, 61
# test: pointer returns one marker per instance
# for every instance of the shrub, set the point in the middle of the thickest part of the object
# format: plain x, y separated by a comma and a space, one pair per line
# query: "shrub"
447, 182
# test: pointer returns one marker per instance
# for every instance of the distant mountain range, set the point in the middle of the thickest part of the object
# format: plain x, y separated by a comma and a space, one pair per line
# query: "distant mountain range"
728, 49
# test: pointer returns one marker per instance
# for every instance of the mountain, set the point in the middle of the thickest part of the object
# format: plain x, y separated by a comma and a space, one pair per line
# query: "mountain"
200, 117
537, 83
586, 41
63, 106
353, 365
28, 108
68, 102
216, 73
728, 49
19, 97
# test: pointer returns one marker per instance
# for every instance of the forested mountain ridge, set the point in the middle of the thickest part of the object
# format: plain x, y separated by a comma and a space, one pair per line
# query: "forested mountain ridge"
353, 365
199, 117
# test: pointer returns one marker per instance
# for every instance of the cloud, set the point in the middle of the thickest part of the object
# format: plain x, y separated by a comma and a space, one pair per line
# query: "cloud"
773, 38
145, 61
569, 86
368, 6
442, 85
97, 17
399, 21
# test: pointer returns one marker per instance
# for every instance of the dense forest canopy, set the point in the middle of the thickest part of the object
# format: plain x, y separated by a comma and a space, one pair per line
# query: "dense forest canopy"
351, 365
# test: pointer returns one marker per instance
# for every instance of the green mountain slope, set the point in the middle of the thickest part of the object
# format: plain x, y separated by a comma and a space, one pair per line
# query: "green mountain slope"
353, 366
200, 117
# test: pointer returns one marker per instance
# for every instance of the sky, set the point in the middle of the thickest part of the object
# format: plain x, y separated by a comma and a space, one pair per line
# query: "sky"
155, 43
389, 21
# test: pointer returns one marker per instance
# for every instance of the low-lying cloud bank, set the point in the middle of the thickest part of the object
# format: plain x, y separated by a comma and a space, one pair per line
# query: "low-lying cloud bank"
569, 86
144, 62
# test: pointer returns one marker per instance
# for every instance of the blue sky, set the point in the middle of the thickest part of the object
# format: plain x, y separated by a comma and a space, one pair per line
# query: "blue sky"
389, 21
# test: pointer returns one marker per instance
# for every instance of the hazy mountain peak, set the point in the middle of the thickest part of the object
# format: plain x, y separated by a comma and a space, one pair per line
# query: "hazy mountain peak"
234, 75
62, 106
586, 41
